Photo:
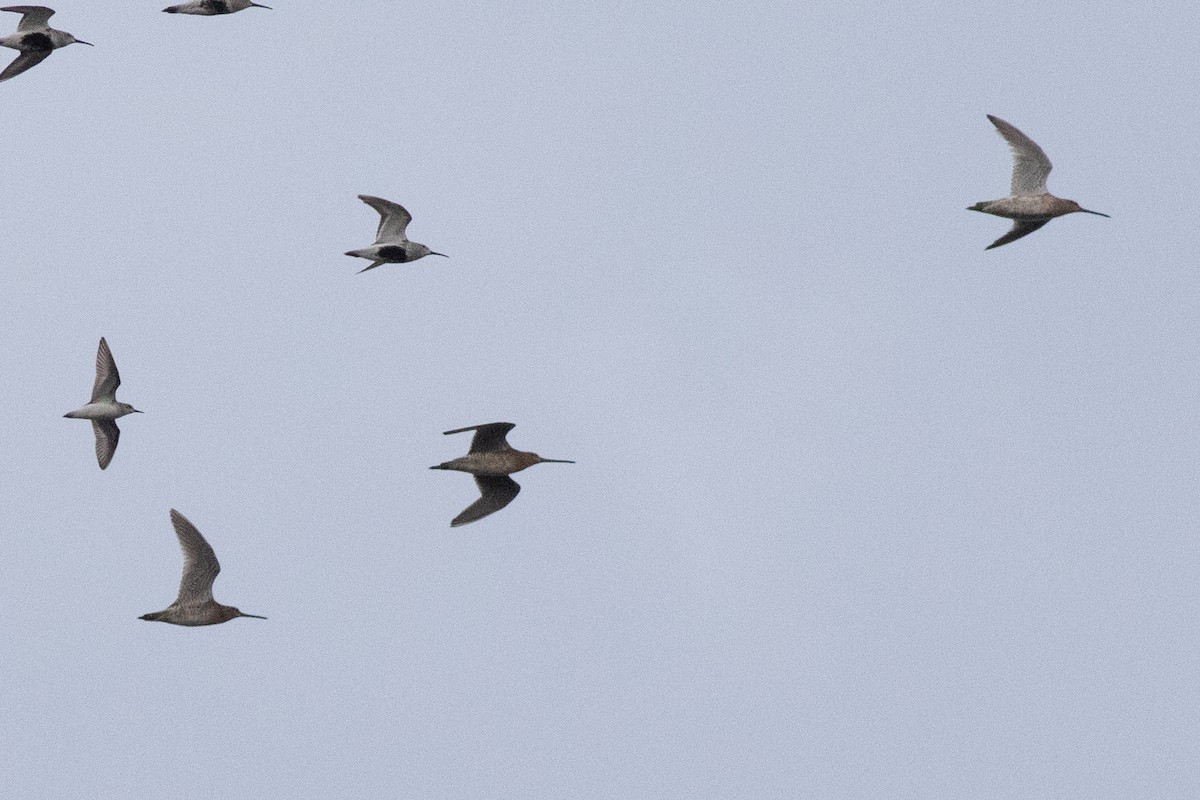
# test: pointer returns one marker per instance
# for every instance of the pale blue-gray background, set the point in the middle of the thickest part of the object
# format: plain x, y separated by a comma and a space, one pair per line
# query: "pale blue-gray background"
860, 510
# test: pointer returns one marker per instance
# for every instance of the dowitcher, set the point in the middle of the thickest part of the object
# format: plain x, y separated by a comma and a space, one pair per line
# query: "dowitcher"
34, 38
195, 604
491, 460
391, 245
1030, 206
103, 408
210, 8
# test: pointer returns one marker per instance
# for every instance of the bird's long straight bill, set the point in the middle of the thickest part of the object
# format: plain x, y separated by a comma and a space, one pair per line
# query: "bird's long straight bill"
1097, 213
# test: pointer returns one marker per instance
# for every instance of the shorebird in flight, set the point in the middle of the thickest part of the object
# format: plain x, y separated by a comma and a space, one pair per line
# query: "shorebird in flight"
210, 8
195, 604
391, 245
34, 38
1030, 206
491, 460
103, 409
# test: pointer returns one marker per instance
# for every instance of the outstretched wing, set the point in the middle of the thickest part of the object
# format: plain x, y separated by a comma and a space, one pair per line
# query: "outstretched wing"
1020, 228
27, 59
393, 219
1030, 165
488, 438
107, 377
495, 492
107, 436
200, 567
36, 17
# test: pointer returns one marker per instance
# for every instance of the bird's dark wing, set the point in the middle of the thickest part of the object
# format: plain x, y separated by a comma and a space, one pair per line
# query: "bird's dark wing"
495, 492
35, 18
1021, 227
23, 62
107, 377
107, 435
489, 437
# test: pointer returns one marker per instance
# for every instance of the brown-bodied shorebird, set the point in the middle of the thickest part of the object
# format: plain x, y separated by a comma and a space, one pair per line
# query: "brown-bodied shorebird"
1030, 206
391, 243
491, 460
195, 604
34, 38
103, 408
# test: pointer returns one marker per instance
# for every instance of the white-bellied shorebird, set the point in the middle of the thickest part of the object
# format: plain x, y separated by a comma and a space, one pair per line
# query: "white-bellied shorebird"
103, 408
1030, 206
491, 460
391, 245
195, 604
34, 38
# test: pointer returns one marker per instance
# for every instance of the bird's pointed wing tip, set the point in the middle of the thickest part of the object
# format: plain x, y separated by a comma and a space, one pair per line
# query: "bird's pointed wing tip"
23, 62
1019, 229
107, 437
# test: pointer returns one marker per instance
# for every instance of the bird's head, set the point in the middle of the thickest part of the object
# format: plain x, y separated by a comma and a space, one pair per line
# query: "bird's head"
1076, 207
423, 251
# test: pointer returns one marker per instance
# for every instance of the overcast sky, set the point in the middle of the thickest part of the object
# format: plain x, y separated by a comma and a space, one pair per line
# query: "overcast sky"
860, 509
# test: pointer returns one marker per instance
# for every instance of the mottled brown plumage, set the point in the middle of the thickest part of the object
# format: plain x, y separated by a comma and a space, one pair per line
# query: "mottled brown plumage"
491, 460
195, 604
1030, 205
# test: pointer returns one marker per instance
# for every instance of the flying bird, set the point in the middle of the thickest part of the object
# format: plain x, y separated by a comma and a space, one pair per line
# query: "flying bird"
491, 460
1030, 206
195, 604
391, 245
210, 8
103, 409
34, 38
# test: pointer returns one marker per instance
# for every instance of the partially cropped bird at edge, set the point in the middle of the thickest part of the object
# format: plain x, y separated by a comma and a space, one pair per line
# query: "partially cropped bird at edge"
34, 38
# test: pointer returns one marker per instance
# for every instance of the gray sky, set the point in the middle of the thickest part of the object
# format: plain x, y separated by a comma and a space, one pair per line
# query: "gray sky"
860, 510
